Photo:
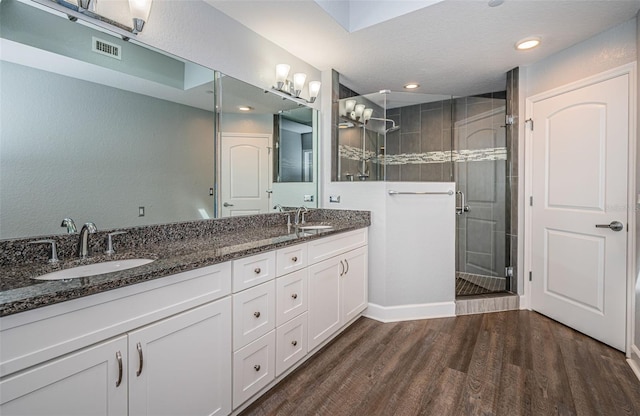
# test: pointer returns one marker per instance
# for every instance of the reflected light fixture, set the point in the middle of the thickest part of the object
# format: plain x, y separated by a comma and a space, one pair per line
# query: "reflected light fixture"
527, 43
412, 86
349, 106
244, 108
294, 88
139, 13
366, 114
139, 10
359, 111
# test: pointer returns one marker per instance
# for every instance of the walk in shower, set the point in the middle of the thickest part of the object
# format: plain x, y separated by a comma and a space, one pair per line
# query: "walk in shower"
411, 137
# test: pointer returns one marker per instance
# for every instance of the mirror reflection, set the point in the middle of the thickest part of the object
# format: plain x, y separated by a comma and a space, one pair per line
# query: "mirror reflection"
121, 141
268, 151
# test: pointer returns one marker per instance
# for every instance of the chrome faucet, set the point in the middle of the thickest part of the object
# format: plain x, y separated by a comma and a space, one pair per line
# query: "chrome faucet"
302, 209
83, 244
71, 226
279, 207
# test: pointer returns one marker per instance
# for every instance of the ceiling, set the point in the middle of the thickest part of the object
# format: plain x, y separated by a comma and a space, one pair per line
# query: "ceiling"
457, 47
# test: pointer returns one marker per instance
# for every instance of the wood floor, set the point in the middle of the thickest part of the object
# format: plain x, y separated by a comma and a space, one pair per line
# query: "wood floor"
507, 363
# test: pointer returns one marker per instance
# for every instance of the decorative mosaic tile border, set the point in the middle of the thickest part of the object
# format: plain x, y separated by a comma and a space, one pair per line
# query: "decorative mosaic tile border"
476, 155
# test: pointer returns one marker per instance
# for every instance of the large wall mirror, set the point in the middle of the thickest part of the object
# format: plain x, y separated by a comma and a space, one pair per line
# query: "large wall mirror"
122, 140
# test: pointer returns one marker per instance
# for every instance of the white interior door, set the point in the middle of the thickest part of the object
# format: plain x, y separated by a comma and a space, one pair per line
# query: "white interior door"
245, 174
580, 142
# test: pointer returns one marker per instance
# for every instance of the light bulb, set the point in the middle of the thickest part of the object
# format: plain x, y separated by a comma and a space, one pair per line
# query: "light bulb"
140, 10
359, 110
349, 105
298, 83
367, 113
314, 90
282, 72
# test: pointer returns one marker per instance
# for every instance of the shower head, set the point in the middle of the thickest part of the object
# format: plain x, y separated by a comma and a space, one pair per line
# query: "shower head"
393, 127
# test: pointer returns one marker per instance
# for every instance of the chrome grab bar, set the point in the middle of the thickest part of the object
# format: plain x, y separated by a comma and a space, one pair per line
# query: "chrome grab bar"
449, 192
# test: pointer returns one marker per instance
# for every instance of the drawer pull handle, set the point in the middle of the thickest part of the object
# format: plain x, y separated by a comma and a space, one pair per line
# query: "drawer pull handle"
294, 259
347, 263
119, 359
341, 268
294, 295
294, 343
139, 348
256, 367
256, 314
257, 270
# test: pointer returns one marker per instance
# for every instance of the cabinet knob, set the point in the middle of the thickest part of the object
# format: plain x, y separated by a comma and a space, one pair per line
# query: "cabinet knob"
256, 367
294, 343
294, 295
256, 314
294, 259
257, 270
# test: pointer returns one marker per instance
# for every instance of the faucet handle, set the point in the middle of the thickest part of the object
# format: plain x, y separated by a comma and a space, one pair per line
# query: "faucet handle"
54, 252
110, 249
71, 226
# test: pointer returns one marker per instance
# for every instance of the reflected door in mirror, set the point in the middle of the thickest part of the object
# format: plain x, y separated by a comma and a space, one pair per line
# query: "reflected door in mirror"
245, 172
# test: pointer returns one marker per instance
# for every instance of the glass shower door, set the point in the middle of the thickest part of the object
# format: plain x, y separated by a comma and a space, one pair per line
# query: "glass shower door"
479, 160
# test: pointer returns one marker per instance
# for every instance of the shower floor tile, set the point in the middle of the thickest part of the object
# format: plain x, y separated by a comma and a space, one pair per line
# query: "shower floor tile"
466, 288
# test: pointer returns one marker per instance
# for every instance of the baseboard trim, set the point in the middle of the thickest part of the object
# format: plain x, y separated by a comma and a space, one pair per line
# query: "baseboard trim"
634, 361
410, 312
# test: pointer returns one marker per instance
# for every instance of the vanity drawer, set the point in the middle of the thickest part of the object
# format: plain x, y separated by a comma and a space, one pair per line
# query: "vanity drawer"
291, 296
254, 313
291, 343
290, 259
253, 368
334, 245
254, 270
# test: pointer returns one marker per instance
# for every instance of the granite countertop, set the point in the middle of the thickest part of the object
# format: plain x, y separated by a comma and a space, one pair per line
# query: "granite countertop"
19, 292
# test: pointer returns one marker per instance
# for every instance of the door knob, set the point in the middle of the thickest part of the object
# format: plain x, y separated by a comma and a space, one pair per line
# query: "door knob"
614, 225
226, 204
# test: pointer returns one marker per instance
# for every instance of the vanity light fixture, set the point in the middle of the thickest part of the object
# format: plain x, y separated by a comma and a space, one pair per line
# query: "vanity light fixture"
366, 114
349, 106
411, 86
294, 88
359, 111
139, 10
139, 13
527, 43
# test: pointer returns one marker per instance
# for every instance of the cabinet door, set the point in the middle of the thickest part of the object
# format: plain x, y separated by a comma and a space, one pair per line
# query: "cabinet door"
354, 283
181, 365
324, 300
82, 383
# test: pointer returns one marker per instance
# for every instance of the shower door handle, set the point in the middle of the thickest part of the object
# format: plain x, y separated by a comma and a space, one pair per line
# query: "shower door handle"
463, 207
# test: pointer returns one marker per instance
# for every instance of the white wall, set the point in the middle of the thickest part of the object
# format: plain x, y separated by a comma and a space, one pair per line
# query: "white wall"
198, 32
607, 50
246, 123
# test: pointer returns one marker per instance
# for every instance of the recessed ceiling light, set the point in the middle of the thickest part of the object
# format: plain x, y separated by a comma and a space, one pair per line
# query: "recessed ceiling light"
412, 86
245, 108
527, 43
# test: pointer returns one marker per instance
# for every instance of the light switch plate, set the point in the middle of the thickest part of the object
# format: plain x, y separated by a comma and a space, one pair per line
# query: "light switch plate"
334, 198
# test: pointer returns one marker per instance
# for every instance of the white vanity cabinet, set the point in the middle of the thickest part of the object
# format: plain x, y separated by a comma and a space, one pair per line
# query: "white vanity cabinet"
164, 348
337, 285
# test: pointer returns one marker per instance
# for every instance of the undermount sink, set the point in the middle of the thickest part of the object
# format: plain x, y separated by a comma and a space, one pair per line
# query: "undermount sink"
94, 269
315, 227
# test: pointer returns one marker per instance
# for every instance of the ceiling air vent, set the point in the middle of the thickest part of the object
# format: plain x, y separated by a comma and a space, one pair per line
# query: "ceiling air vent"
106, 48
